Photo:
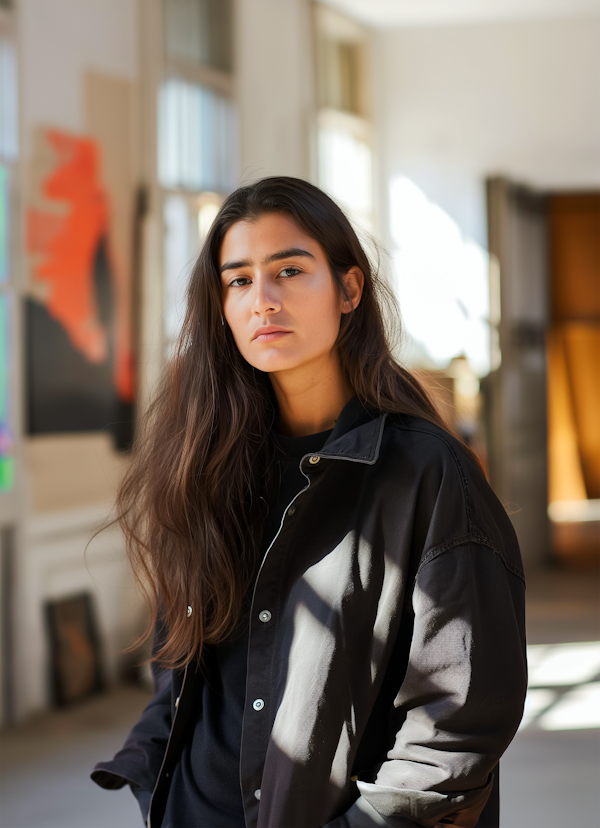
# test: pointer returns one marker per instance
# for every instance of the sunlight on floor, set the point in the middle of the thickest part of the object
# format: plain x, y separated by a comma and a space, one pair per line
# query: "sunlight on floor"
564, 686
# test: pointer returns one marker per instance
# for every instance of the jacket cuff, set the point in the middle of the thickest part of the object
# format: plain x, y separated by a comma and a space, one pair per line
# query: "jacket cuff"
363, 815
106, 776
107, 779
427, 808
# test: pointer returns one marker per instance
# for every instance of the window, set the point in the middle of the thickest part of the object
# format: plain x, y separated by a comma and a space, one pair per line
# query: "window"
341, 65
187, 220
197, 137
344, 131
199, 31
8, 96
345, 163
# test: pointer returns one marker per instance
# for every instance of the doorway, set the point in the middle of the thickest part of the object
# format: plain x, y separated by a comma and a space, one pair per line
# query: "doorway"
573, 377
543, 401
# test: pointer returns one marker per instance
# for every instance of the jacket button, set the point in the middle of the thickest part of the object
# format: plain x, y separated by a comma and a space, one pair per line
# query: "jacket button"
313, 460
189, 612
264, 616
258, 704
291, 510
257, 793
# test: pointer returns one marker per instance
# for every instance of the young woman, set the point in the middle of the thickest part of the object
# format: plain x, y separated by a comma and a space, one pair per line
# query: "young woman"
338, 594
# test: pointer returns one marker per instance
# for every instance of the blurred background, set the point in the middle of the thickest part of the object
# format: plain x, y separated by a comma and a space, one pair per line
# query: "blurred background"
464, 137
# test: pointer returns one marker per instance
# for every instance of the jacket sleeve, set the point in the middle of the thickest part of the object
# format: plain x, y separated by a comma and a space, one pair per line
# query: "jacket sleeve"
139, 760
462, 696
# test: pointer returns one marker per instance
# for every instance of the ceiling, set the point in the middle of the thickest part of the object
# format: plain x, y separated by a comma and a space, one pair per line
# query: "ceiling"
405, 13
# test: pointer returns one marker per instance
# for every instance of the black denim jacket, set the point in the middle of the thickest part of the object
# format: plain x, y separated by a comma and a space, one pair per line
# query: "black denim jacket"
386, 656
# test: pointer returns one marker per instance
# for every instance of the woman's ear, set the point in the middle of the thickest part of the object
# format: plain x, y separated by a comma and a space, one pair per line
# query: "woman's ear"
354, 281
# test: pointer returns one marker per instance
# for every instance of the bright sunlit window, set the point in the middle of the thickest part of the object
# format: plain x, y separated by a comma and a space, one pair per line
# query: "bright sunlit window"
442, 280
187, 220
196, 138
344, 151
345, 172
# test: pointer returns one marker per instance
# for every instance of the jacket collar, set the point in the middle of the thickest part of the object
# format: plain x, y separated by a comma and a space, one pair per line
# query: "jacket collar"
356, 435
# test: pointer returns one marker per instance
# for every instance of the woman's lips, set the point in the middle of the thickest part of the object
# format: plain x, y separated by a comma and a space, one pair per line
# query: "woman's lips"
269, 335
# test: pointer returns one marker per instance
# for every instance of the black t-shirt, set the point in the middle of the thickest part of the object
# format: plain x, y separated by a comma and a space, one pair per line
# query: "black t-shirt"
205, 790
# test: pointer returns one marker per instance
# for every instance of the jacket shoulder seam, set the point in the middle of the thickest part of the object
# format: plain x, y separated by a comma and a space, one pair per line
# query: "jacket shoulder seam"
480, 540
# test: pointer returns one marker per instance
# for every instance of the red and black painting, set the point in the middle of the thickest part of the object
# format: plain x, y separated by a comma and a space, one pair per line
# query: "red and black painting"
78, 314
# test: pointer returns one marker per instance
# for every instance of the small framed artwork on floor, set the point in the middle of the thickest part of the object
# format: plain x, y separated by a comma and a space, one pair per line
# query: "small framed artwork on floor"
75, 663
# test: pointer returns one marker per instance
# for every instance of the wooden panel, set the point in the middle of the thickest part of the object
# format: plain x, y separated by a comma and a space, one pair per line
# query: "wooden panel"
582, 346
575, 256
575, 251
565, 475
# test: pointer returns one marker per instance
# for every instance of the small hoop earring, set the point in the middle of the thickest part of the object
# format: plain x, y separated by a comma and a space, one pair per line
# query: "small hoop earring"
222, 320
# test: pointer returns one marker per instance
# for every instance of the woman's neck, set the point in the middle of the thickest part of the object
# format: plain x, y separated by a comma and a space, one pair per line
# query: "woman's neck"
311, 397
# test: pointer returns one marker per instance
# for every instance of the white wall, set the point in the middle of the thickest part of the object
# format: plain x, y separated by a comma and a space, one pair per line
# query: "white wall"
274, 71
458, 103
59, 41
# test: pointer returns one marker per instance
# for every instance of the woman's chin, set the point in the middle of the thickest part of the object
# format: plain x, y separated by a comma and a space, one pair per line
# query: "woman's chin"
277, 366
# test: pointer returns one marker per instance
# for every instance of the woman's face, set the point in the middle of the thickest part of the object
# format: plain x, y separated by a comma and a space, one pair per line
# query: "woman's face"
279, 297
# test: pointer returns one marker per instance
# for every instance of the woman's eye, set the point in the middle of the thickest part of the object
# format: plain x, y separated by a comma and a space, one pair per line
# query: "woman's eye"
241, 281
289, 271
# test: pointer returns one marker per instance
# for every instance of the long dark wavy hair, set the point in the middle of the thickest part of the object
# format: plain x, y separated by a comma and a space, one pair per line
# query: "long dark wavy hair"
192, 501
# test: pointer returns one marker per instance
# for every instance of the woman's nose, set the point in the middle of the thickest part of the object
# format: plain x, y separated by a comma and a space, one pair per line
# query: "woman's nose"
265, 297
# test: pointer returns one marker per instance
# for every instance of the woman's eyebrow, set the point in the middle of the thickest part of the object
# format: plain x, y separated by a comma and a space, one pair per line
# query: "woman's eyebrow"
274, 257
287, 254
236, 265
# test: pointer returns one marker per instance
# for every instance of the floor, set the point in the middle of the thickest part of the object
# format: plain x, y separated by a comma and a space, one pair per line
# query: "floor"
550, 777
45, 766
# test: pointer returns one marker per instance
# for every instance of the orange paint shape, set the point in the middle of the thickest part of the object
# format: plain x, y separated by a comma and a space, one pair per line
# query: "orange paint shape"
67, 246
67, 264
42, 227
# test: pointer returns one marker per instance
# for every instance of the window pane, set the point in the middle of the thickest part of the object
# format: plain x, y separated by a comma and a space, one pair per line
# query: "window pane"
345, 172
8, 100
339, 75
196, 138
200, 31
178, 250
